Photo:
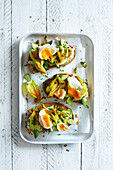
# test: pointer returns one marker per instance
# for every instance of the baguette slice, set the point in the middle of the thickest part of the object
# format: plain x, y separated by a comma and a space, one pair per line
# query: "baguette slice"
34, 70
61, 106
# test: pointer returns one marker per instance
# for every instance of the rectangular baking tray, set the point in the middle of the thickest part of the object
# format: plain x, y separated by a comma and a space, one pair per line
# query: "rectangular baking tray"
85, 51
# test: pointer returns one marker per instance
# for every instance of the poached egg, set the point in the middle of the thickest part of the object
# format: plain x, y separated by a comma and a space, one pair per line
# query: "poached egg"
46, 51
44, 119
60, 93
62, 127
75, 88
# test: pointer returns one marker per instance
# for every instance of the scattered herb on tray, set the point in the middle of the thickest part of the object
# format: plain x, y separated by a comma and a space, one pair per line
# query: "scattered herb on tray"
83, 63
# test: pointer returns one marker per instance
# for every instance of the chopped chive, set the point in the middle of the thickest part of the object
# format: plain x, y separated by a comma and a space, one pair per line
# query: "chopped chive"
83, 63
45, 38
49, 132
26, 65
87, 106
61, 70
85, 82
76, 69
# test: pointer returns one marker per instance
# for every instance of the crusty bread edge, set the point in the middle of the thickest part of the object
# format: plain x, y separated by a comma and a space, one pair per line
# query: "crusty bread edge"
62, 106
44, 83
50, 79
35, 71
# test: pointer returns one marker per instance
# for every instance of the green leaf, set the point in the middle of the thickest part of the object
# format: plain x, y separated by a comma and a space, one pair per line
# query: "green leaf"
76, 68
36, 133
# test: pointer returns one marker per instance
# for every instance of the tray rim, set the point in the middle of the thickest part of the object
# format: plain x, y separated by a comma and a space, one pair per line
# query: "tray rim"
92, 124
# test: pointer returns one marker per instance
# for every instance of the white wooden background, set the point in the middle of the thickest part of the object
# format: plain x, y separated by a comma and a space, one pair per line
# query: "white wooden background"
91, 17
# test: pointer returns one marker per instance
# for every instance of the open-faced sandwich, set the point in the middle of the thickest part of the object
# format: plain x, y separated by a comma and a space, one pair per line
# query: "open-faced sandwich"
54, 53
49, 117
67, 86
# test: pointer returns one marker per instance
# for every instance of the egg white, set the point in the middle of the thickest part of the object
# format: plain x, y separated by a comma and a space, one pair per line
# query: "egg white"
63, 124
50, 47
41, 113
73, 82
57, 93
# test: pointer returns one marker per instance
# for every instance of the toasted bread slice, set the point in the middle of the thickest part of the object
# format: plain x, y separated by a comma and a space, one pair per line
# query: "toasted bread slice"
61, 106
48, 81
34, 70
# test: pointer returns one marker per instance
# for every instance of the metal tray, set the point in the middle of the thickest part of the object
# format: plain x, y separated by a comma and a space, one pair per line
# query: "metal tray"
85, 50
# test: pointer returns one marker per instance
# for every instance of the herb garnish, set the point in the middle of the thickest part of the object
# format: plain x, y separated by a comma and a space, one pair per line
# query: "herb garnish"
26, 65
83, 63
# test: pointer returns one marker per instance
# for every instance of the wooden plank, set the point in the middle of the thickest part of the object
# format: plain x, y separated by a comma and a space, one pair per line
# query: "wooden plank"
5, 85
27, 16
89, 25
62, 17
97, 152
106, 95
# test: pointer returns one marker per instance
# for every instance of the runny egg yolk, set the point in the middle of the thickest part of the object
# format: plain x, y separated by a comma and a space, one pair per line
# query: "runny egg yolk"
46, 120
60, 93
46, 53
75, 93
62, 127
75, 88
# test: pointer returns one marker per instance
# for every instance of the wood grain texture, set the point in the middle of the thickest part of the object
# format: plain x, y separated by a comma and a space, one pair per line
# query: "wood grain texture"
93, 18
5, 85
97, 23
27, 16
62, 17
106, 95
89, 25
